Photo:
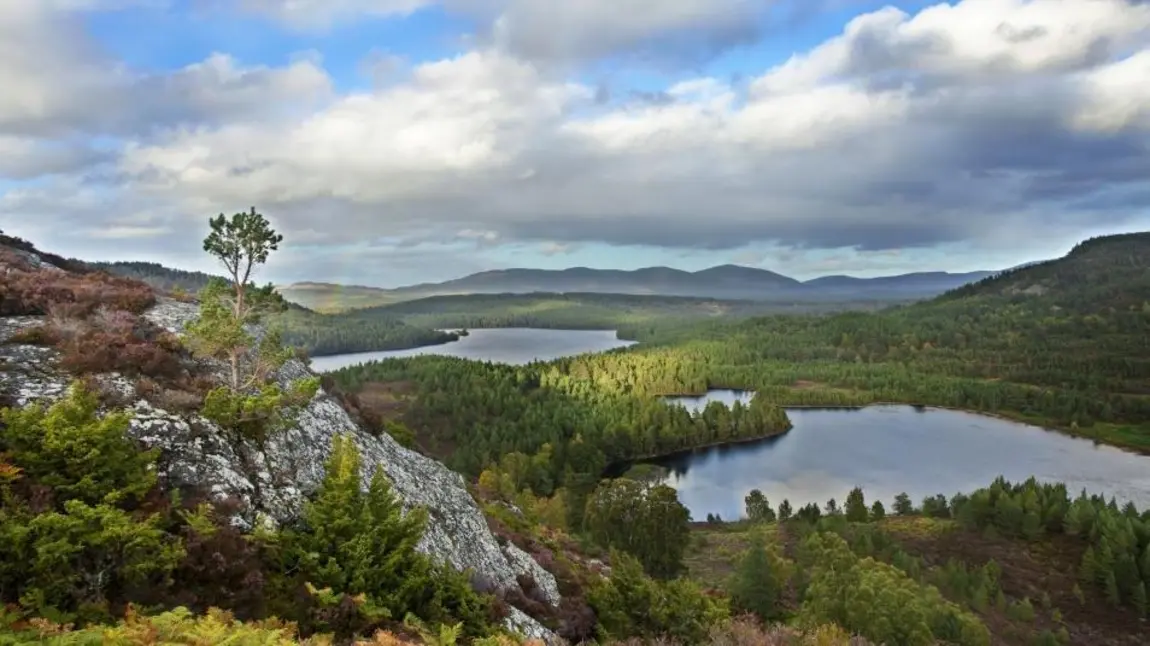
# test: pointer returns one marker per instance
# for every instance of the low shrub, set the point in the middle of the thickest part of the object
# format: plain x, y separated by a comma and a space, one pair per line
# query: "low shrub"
108, 340
26, 290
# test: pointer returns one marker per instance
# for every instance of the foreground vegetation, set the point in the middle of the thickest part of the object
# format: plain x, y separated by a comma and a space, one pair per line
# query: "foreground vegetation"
80, 498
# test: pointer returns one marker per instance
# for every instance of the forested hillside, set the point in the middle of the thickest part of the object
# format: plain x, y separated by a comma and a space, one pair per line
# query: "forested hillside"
160, 277
637, 318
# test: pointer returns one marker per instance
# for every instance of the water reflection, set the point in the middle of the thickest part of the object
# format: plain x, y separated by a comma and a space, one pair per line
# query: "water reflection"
514, 346
890, 449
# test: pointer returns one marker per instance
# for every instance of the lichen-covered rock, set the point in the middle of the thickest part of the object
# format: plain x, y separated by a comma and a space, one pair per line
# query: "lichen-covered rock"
26, 371
522, 623
276, 479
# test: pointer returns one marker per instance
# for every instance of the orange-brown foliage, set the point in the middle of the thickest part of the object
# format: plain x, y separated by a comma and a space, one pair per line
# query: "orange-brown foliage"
27, 290
110, 341
92, 318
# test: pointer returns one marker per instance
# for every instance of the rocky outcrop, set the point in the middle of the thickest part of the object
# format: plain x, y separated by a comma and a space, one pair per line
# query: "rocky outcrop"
26, 371
195, 452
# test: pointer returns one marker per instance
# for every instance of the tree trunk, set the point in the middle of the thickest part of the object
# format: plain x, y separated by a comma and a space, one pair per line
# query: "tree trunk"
235, 370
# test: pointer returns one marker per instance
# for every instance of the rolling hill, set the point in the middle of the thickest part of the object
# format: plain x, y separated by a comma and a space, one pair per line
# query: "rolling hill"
725, 282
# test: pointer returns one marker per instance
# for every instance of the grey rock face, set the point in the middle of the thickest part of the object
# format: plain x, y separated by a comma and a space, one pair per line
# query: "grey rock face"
196, 452
26, 371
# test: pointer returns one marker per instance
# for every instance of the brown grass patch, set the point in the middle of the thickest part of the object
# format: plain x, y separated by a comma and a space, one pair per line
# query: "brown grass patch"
387, 400
93, 319
26, 290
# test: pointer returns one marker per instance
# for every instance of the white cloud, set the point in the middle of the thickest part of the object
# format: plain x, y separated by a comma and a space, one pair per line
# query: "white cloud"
986, 119
59, 85
555, 248
1116, 96
457, 123
974, 41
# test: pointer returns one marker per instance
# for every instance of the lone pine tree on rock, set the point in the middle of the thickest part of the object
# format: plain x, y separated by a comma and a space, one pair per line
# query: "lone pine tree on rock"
253, 405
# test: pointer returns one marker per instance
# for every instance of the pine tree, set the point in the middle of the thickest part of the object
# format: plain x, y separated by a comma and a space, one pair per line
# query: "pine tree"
360, 546
856, 511
1110, 586
1126, 574
758, 507
902, 505
644, 519
1088, 569
877, 511
785, 513
832, 507
757, 584
1031, 526
1079, 595
252, 406
79, 453
240, 244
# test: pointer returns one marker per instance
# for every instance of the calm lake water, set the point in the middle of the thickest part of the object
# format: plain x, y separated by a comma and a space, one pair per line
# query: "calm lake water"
508, 345
890, 449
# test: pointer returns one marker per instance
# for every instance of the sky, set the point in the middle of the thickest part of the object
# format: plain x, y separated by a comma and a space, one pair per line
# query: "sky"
400, 141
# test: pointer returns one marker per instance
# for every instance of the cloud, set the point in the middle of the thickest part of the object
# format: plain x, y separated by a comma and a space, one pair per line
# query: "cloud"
645, 28
556, 31
59, 84
986, 122
28, 158
555, 249
320, 15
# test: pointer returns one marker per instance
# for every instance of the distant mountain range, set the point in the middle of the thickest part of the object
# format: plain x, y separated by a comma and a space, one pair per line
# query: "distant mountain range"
728, 282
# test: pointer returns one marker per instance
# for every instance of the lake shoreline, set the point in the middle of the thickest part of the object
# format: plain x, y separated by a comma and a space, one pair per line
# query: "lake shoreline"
885, 448
452, 338
510, 346
648, 459
617, 470
1006, 416
1009, 416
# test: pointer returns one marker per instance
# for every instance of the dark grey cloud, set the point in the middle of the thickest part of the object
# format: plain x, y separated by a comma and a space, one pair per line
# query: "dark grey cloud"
674, 30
